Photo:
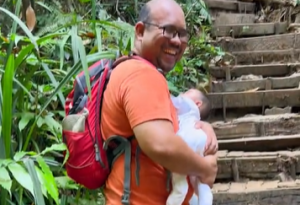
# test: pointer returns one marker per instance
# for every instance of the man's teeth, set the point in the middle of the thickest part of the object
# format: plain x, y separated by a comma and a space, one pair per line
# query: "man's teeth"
170, 52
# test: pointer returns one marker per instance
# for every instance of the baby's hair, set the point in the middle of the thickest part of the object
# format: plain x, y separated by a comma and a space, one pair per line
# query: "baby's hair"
206, 106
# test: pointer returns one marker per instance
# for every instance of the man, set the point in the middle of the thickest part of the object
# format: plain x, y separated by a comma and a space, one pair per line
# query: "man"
137, 102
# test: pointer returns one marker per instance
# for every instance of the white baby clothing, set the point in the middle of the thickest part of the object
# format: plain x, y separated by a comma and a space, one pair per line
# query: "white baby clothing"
188, 114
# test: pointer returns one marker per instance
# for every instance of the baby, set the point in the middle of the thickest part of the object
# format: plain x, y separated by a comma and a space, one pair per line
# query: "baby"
191, 106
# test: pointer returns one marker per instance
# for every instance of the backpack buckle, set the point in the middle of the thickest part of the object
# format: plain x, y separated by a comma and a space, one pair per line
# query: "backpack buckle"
125, 198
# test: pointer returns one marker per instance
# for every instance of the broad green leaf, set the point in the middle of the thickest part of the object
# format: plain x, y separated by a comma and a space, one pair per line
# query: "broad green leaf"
52, 125
19, 155
7, 104
5, 180
32, 60
38, 195
49, 179
21, 176
5, 162
55, 147
178, 67
25, 118
17, 38
65, 182
42, 180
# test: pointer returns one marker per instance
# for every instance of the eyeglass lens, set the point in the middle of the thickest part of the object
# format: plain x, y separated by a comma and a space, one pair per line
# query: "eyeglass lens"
171, 31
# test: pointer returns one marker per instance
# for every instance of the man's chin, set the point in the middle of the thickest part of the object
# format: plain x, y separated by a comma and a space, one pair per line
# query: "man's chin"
167, 69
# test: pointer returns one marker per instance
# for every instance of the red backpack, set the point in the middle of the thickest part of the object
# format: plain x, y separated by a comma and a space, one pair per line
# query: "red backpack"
90, 157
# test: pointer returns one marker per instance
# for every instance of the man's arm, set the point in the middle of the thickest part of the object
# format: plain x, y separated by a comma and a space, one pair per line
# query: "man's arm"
145, 98
159, 142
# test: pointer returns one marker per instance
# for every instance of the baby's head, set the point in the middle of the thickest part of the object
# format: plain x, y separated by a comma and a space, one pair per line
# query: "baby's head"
200, 100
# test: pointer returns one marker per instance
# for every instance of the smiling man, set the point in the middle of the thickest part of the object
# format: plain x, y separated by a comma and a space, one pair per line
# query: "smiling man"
137, 102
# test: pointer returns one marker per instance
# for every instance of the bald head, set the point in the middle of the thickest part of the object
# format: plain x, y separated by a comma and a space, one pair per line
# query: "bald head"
159, 9
160, 33
201, 101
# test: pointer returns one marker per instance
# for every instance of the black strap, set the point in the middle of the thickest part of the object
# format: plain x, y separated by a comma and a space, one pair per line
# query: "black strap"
124, 146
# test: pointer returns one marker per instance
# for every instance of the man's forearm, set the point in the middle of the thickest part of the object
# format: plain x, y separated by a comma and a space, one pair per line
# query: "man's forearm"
159, 142
179, 157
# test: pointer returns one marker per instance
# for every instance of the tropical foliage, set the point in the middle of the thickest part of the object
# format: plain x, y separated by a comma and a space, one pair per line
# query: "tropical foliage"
39, 57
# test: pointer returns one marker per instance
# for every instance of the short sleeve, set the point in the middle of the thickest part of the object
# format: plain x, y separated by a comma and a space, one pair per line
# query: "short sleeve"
145, 96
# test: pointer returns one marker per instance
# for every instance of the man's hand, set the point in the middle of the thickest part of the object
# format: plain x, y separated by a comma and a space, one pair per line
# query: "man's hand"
209, 174
211, 146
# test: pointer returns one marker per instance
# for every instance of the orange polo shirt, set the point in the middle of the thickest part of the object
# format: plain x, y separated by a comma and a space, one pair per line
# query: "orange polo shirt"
136, 93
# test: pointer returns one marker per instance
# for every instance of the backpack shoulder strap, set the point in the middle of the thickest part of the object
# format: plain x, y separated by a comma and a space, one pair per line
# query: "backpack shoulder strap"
124, 147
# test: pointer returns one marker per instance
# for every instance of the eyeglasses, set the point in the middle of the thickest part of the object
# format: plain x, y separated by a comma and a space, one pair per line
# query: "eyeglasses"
171, 31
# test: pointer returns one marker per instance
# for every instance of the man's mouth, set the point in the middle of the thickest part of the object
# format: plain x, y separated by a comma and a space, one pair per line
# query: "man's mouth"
170, 52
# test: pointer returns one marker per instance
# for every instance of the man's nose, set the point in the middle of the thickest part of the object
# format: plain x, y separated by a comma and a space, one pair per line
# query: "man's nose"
176, 40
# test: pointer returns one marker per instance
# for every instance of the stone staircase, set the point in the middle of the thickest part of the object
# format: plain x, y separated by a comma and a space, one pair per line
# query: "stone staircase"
255, 95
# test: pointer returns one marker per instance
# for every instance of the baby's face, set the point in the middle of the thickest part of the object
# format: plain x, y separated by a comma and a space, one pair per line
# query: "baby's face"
194, 96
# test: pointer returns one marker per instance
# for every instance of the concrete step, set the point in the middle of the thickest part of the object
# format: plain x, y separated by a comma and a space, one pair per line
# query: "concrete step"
258, 192
273, 42
266, 70
231, 5
261, 143
248, 29
257, 57
257, 126
263, 98
250, 82
222, 18
238, 166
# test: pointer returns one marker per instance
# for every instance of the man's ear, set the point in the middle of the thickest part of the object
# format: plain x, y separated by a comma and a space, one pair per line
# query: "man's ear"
139, 30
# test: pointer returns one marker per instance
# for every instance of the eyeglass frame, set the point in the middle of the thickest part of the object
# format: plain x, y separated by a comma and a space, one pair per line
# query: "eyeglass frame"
172, 35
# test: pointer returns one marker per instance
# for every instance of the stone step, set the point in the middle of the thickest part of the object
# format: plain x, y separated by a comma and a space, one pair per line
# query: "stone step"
231, 5
273, 42
258, 57
263, 98
262, 192
248, 29
241, 166
222, 18
265, 143
251, 82
265, 70
258, 126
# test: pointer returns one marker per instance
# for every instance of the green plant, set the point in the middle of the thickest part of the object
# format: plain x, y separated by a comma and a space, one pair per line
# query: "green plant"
37, 72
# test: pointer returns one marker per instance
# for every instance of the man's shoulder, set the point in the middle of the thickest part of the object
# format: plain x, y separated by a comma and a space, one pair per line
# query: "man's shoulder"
134, 71
133, 65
